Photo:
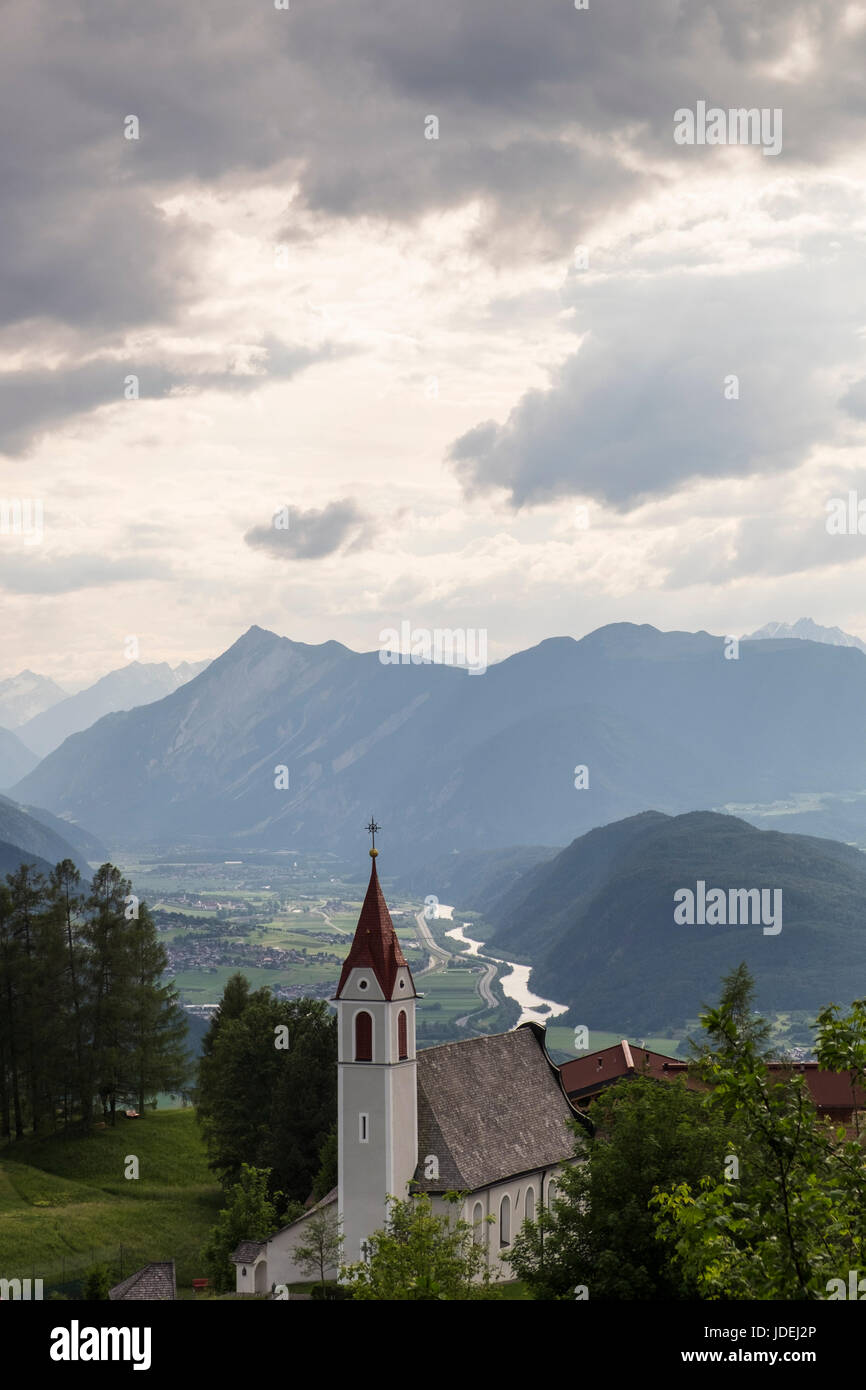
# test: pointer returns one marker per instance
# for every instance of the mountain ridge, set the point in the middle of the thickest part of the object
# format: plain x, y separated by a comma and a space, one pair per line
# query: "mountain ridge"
25, 695
16, 759
804, 629
128, 687
452, 760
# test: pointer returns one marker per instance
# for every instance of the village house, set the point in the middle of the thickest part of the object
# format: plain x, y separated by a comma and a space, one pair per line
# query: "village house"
584, 1078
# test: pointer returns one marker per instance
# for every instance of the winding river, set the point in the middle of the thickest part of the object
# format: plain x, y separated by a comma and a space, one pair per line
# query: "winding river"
515, 985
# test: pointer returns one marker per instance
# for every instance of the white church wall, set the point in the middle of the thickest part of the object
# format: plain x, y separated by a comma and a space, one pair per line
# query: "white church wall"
403, 1123
277, 1265
541, 1182
245, 1275
363, 1152
282, 1268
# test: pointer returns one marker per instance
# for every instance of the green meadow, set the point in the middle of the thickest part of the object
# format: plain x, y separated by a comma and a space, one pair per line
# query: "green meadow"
65, 1203
448, 995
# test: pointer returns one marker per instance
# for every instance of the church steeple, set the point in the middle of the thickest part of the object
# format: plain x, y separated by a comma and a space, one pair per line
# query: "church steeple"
376, 945
377, 1098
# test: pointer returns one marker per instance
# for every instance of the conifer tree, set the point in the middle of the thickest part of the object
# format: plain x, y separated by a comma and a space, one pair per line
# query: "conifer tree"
25, 886
10, 1012
157, 1059
110, 978
65, 902
84, 1006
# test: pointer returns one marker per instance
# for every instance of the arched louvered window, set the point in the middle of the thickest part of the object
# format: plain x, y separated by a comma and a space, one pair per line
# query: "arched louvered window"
363, 1038
505, 1222
402, 1035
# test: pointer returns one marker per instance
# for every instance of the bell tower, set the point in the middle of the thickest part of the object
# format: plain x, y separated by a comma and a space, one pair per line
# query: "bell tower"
377, 1093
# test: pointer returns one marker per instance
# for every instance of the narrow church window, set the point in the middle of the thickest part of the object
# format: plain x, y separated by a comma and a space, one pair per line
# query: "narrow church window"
363, 1038
478, 1223
402, 1042
505, 1222
364, 1128
529, 1205
551, 1194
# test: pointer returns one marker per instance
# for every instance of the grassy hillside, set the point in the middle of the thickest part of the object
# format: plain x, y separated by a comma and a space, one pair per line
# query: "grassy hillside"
65, 1203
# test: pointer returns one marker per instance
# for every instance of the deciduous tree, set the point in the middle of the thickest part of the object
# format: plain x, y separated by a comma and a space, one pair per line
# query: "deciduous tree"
422, 1255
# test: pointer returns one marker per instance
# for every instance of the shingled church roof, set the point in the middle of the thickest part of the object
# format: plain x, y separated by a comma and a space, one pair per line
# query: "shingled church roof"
490, 1108
154, 1282
248, 1252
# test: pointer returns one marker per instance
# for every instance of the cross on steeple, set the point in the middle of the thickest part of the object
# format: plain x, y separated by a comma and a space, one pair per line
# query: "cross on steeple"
371, 829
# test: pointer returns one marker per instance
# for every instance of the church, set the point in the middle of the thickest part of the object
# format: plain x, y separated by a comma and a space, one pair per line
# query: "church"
484, 1116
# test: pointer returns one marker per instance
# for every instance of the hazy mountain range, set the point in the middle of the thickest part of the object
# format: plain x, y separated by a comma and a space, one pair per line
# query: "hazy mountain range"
36, 834
26, 695
36, 714
138, 683
448, 760
808, 631
15, 759
597, 921
12, 857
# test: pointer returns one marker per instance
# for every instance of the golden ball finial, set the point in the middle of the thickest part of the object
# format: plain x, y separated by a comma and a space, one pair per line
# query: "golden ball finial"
373, 853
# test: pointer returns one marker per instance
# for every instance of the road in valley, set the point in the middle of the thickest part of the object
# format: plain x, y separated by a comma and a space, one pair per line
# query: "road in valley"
439, 957
483, 984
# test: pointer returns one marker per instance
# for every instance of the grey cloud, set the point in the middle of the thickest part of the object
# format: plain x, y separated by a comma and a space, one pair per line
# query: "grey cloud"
641, 407
762, 547
336, 95
25, 570
313, 534
102, 260
33, 401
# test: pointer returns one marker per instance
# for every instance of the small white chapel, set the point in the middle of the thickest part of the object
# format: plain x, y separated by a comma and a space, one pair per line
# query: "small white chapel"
484, 1116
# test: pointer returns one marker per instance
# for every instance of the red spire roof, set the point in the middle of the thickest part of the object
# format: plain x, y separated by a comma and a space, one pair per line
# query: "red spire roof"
375, 944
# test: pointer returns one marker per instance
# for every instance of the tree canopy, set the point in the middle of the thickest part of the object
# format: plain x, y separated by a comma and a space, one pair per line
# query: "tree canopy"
422, 1255
267, 1093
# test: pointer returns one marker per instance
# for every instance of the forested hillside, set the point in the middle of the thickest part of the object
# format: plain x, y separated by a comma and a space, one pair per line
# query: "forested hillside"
598, 920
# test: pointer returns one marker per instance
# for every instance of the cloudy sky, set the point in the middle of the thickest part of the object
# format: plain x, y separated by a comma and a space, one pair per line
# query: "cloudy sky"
286, 358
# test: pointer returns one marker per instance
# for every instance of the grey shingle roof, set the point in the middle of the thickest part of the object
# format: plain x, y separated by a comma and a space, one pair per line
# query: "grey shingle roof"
247, 1251
154, 1282
325, 1201
488, 1108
